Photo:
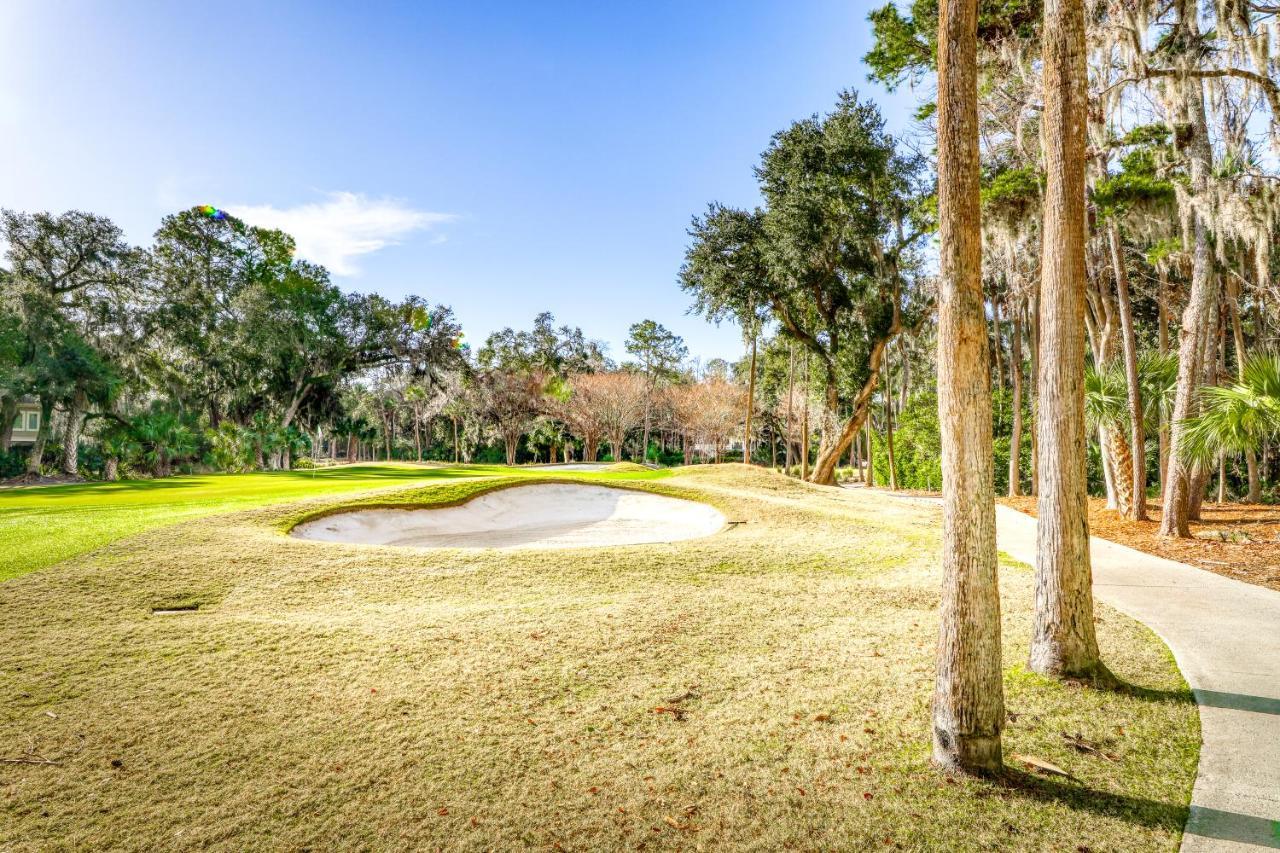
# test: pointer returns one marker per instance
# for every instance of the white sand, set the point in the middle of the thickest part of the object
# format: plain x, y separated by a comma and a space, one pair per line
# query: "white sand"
556, 515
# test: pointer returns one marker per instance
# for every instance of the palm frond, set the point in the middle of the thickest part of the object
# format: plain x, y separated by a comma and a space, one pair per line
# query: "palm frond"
1106, 395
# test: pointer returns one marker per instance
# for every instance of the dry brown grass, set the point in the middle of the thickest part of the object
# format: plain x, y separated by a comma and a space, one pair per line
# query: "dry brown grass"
357, 697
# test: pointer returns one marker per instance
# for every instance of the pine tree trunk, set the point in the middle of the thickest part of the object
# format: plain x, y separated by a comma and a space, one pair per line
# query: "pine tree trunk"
804, 424
1237, 334
1034, 334
1222, 478
1136, 471
1179, 475
1015, 435
1162, 336
791, 384
968, 699
751, 404
871, 456
888, 434
1063, 640
998, 349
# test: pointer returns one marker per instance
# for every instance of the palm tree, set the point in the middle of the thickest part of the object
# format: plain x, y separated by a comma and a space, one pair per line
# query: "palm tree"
1106, 406
265, 437
164, 438
1236, 418
293, 443
117, 442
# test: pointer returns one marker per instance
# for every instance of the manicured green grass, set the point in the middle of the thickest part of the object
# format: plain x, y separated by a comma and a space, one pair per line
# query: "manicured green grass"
48, 524
765, 688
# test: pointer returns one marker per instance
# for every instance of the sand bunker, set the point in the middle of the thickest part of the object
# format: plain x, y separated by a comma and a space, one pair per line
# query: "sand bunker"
538, 516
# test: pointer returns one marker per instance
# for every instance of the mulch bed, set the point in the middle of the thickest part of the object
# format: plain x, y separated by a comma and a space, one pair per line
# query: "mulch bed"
1250, 552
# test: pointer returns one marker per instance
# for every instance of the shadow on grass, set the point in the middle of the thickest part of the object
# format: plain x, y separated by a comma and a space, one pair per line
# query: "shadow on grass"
1152, 694
1136, 810
1206, 698
1193, 820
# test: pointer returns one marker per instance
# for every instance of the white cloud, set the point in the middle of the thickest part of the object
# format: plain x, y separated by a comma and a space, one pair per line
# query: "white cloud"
346, 225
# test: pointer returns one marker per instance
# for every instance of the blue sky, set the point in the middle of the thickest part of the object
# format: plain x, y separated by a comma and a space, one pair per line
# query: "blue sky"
502, 158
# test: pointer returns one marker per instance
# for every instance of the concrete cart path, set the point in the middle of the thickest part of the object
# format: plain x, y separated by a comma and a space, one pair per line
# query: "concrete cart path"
1225, 635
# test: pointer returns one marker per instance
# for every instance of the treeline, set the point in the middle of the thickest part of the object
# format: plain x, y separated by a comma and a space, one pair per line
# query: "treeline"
1180, 313
216, 349
1179, 309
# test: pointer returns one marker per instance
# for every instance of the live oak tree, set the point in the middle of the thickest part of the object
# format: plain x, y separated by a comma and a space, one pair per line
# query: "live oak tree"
71, 297
844, 213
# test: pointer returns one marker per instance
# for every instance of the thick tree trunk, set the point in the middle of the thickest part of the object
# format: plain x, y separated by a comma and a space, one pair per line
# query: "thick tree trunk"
1137, 470
111, 469
968, 699
1063, 640
1015, 435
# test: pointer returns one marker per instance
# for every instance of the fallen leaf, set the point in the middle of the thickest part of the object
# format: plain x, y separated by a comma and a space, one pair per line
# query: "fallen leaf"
1043, 766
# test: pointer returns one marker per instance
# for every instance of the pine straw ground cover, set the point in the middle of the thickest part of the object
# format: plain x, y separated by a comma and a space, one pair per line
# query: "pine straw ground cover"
1238, 540
764, 688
